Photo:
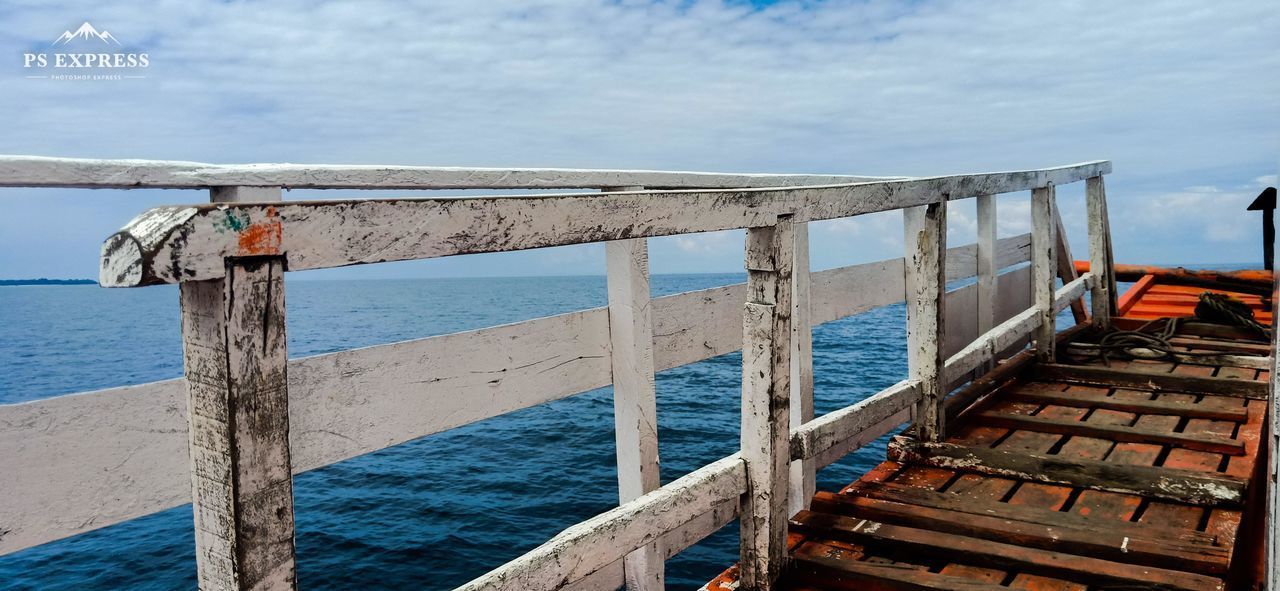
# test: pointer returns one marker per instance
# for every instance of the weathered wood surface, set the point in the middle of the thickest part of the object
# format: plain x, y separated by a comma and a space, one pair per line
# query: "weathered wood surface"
1198, 358
1099, 252
165, 245
813, 564
925, 241
235, 359
1069, 294
672, 543
1043, 269
1066, 265
1018, 557
803, 477
1200, 442
353, 402
604, 539
988, 266
37, 171
1183, 486
1152, 381
962, 326
635, 407
835, 427
245, 194
1172, 537
1042, 393
988, 346
766, 404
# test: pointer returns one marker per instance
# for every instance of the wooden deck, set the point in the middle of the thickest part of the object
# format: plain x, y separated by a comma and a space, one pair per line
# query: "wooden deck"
1141, 475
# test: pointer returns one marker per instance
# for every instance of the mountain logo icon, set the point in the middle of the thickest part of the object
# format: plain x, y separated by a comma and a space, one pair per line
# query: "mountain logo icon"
86, 31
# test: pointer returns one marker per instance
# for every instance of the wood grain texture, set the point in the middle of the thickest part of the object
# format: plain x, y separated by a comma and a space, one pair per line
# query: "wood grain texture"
833, 428
1043, 269
353, 402
766, 404
36, 171
324, 234
604, 539
925, 241
987, 266
1185, 486
235, 362
803, 476
1066, 265
245, 194
635, 411
1099, 251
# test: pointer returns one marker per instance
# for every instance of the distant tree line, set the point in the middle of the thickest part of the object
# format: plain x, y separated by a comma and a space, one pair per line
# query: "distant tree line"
44, 281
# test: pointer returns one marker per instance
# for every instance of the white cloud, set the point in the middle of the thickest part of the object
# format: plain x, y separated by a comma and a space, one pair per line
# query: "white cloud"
1169, 90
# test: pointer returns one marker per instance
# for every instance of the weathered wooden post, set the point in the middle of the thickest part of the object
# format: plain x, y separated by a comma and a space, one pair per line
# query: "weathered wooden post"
925, 239
988, 295
234, 357
244, 194
1043, 269
1100, 263
803, 472
635, 407
242, 486
766, 404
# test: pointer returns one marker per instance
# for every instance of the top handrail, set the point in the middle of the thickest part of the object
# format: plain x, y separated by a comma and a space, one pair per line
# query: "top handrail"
41, 171
190, 243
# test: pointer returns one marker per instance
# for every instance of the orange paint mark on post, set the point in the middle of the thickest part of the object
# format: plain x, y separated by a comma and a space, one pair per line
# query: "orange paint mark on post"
262, 238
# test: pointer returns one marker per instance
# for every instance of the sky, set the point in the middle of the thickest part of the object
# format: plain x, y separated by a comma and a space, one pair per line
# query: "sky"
1180, 95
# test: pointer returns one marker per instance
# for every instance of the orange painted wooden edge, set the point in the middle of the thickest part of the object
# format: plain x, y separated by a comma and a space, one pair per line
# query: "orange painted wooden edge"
1134, 294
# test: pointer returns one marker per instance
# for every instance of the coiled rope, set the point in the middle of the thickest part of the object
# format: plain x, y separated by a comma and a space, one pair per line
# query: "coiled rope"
1151, 340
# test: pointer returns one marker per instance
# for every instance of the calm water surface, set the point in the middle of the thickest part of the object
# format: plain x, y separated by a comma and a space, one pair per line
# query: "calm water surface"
435, 512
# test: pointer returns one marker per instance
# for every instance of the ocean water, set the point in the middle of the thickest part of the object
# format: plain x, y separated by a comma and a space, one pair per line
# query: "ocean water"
438, 511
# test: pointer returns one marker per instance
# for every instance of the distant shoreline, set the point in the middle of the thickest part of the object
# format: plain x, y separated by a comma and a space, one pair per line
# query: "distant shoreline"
43, 281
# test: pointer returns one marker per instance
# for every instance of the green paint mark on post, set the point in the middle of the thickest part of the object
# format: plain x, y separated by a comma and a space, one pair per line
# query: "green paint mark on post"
232, 222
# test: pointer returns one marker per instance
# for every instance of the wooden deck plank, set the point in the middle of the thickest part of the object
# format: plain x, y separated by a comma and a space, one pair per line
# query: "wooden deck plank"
829, 567
1023, 559
1164, 483
1129, 434
1092, 397
1085, 541
965, 503
1120, 377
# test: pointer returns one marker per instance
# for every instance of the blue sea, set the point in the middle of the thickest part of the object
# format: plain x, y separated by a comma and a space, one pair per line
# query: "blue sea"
435, 512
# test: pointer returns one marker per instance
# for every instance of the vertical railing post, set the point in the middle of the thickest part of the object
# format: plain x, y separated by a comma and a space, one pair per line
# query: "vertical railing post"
1099, 252
244, 194
766, 405
635, 408
925, 239
234, 356
1043, 269
803, 472
988, 296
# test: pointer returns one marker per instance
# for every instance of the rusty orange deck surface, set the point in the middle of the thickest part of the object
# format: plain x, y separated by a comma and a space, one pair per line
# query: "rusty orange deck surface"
1151, 298
915, 526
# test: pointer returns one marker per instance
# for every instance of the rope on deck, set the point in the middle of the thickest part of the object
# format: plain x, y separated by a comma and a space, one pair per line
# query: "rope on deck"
1154, 336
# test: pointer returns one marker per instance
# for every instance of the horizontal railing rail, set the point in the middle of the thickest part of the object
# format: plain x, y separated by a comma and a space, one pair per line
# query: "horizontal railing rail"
129, 443
37, 171
172, 244
255, 417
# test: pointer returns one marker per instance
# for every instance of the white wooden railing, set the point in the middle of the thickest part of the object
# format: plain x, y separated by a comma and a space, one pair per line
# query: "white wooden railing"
80, 462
